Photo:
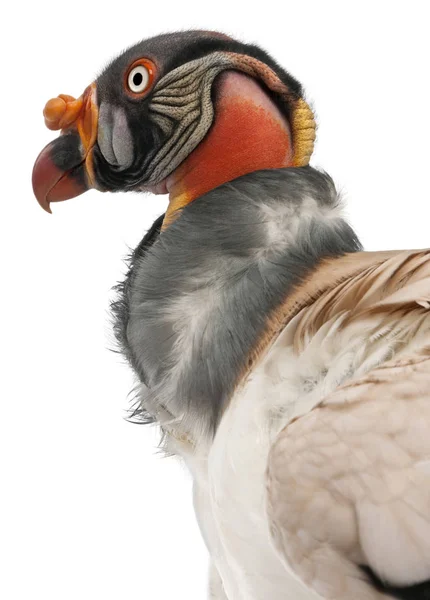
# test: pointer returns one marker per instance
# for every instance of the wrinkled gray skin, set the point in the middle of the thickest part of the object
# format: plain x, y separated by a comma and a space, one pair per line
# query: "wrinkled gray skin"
197, 300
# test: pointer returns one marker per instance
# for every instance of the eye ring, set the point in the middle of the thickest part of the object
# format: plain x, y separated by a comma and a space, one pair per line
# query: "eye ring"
139, 77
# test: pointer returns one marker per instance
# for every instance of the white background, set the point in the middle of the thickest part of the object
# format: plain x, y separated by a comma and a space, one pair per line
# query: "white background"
88, 510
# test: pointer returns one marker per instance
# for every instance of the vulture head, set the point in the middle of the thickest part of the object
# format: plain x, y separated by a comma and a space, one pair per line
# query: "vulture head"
180, 113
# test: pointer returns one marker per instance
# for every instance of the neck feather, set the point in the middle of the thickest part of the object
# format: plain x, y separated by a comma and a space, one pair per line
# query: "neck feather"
200, 297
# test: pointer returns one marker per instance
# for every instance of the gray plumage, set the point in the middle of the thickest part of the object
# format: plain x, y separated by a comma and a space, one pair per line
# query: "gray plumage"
198, 296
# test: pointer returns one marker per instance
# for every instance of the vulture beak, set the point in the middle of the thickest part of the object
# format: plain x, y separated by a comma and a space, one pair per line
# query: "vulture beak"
64, 168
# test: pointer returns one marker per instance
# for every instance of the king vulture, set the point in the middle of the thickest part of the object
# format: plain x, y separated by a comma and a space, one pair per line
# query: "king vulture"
287, 367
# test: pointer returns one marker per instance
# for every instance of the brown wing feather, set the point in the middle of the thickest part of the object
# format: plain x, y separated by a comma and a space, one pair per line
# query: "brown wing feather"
349, 482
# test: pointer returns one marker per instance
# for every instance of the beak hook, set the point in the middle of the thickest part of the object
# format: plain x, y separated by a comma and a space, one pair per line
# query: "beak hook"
64, 168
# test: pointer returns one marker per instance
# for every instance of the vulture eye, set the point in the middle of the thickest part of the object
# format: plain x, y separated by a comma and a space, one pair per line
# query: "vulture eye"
140, 77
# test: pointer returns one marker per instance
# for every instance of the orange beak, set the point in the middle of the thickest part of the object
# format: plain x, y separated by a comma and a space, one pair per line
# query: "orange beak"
64, 168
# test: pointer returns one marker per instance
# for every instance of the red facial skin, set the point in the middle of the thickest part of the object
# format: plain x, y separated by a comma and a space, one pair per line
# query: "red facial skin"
249, 134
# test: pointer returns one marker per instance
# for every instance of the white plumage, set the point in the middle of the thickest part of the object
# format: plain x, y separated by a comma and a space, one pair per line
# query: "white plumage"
321, 462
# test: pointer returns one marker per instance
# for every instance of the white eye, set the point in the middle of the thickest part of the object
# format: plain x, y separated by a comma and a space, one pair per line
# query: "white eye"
138, 79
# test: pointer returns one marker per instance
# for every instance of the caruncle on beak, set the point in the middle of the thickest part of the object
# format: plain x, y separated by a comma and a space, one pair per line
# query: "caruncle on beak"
64, 168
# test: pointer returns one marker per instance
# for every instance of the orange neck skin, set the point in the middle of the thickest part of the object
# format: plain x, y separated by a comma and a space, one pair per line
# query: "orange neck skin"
249, 133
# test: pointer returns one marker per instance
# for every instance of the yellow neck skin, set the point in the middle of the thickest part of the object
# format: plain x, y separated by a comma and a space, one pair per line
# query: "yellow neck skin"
249, 133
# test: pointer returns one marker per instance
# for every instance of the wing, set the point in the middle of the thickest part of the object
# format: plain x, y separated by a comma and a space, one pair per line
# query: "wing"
349, 487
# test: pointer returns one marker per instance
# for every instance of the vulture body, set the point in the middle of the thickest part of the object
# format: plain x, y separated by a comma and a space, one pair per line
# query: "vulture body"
287, 367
